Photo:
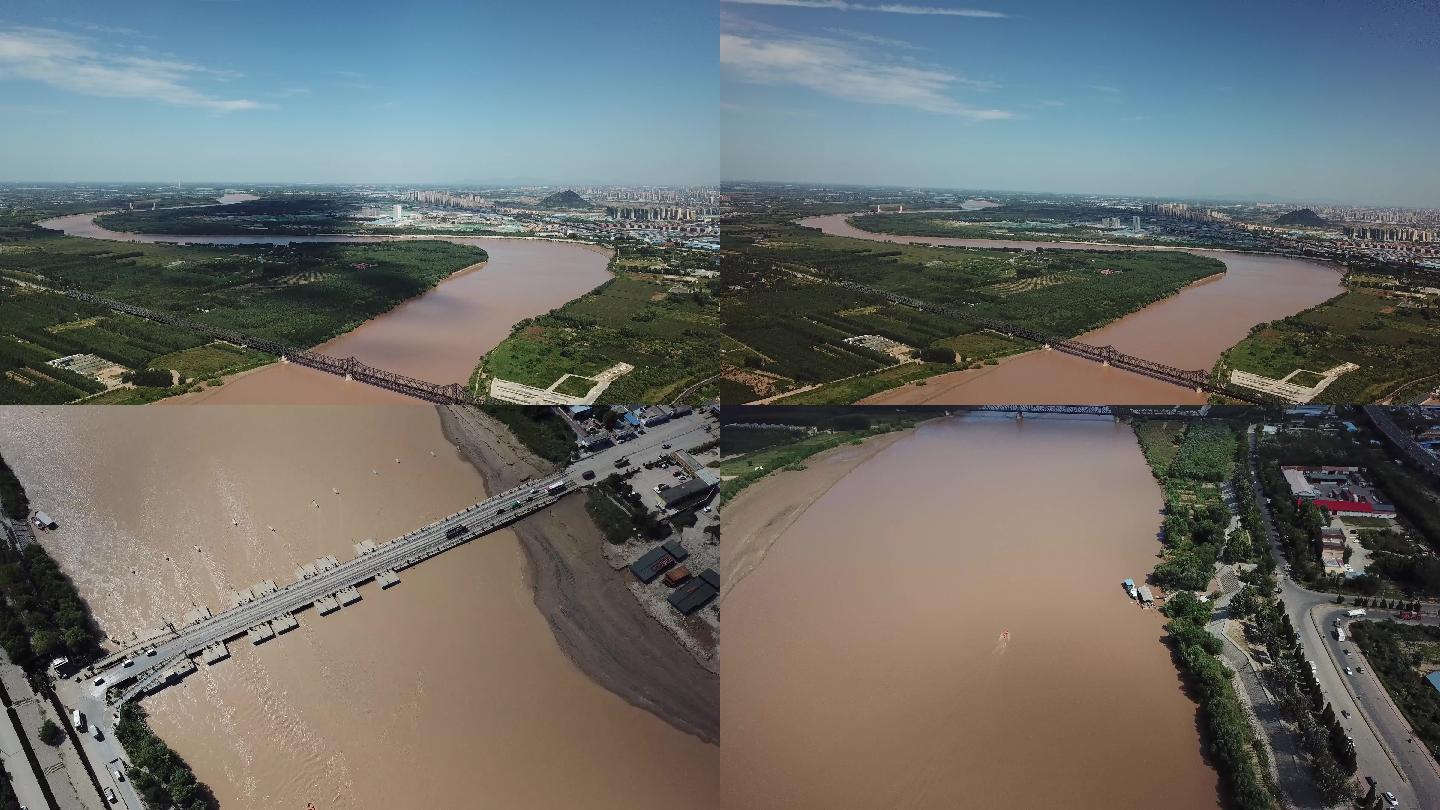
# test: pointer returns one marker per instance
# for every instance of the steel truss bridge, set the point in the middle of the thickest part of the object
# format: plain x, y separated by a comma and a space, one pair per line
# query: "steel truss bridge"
1105, 355
348, 367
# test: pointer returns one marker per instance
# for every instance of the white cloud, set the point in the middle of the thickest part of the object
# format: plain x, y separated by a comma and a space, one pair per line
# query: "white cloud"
829, 67
67, 62
872, 39
888, 8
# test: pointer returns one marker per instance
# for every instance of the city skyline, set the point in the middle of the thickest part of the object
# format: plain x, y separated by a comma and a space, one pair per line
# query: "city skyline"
1228, 101
443, 93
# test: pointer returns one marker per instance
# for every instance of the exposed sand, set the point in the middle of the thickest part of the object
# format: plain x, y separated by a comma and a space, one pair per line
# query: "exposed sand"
755, 519
597, 621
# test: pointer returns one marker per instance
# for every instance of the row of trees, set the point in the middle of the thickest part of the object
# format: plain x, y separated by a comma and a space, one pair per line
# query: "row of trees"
1395, 650
41, 614
1241, 757
163, 779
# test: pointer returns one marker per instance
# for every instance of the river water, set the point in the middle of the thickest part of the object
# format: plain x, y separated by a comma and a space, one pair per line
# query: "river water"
438, 336
1188, 330
866, 665
447, 690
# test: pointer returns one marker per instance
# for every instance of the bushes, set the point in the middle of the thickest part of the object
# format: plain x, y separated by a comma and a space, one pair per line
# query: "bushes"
158, 773
937, 354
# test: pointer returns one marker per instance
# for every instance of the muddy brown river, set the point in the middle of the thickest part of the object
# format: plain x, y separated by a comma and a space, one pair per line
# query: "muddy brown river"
945, 627
439, 336
445, 691
1188, 330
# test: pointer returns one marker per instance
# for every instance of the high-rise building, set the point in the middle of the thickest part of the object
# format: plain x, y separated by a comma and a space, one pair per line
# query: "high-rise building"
398, 214
1134, 223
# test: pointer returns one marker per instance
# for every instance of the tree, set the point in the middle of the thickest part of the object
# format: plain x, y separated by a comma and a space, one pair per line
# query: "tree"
938, 354
50, 734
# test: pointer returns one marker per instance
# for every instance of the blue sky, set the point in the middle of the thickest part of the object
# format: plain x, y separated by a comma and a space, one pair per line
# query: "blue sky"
1305, 100
428, 92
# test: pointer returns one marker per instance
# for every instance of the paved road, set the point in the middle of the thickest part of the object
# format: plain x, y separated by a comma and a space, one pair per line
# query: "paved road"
1383, 741
22, 777
98, 703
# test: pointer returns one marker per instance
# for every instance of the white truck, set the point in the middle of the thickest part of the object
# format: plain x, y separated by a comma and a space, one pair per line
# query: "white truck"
77, 719
557, 487
1340, 634
1356, 613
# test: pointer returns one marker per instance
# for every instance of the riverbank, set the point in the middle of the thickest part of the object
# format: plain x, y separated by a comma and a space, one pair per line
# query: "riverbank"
760, 514
438, 334
597, 622
1190, 329
447, 686
918, 612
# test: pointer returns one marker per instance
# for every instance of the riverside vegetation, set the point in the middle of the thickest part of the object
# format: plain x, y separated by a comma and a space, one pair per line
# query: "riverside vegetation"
652, 315
1386, 322
1191, 461
300, 295
787, 324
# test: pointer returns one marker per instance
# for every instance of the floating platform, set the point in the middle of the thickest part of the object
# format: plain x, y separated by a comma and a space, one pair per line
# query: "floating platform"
284, 624
196, 616
349, 596
387, 578
326, 605
214, 654
364, 547
260, 633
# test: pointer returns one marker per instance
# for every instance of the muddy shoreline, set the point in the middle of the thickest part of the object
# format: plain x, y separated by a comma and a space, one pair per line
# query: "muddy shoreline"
597, 622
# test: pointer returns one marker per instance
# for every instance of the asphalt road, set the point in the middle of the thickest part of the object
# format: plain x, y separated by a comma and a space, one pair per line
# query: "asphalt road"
98, 703
1384, 747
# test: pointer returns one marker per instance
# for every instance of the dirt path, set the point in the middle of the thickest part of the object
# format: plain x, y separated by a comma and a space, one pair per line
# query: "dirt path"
595, 618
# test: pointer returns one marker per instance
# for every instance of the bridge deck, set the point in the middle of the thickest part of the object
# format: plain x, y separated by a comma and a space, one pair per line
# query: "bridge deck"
262, 616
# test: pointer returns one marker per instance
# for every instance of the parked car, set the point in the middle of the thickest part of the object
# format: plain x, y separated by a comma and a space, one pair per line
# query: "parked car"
1348, 672
1345, 713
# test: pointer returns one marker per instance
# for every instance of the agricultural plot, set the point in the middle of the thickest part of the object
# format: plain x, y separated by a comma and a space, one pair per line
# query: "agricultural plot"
789, 320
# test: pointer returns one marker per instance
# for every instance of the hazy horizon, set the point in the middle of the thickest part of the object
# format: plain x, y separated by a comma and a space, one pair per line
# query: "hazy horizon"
1227, 100
555, 93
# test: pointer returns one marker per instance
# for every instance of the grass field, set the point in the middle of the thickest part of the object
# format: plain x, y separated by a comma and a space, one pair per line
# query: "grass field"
985, 345
667, 332
1394, 346
211, 360
855, 389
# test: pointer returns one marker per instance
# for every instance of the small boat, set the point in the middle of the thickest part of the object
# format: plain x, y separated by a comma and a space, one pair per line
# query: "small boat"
1130, 587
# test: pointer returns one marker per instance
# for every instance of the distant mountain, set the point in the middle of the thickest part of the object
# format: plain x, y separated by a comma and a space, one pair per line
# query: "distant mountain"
1303, 217
564, 199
